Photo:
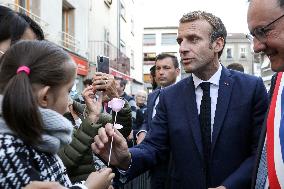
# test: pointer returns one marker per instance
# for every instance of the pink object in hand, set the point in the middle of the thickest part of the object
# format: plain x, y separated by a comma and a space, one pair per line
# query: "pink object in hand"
116, 104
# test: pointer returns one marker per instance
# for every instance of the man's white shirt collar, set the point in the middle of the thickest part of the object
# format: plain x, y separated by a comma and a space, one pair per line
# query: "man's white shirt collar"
213, 80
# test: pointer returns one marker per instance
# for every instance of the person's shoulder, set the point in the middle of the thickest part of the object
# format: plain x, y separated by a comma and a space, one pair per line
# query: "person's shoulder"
175, 91
239, 74
157, 90
242, 76
11, 144
142, 109
246, 82
10, 140
127, 97
177, 86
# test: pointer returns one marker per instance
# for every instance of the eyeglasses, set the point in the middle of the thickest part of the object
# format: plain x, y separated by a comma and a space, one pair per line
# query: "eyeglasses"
260, 33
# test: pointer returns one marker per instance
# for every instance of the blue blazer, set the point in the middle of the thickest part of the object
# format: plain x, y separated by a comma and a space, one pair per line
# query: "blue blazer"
240, 110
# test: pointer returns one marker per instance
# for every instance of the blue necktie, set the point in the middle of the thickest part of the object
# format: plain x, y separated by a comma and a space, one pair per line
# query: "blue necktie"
262, 170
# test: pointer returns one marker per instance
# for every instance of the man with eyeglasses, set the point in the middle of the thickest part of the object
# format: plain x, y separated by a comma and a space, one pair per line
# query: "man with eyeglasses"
266, 25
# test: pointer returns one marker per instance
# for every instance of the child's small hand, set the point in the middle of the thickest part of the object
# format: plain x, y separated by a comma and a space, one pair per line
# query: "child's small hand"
100, 179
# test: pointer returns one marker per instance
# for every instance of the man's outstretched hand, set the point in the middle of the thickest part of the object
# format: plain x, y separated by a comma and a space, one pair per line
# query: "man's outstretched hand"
120, 156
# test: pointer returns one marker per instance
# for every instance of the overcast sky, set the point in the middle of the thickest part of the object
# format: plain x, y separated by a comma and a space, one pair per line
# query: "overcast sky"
168, 12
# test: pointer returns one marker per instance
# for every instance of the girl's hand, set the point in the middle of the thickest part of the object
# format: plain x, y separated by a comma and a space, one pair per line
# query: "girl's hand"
100, 180
94, 105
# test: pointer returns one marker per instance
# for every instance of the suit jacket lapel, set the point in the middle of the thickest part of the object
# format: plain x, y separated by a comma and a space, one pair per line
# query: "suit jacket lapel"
224, 96
192, 113
152, 100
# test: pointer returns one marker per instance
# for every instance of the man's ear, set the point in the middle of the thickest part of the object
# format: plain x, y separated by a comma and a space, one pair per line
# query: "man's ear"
177, 71
218, 44
43, 96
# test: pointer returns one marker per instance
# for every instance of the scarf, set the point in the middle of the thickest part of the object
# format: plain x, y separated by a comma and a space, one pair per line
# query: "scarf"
57, 130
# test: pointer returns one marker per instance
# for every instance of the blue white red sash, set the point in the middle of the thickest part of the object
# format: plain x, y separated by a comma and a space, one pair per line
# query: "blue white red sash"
275, 136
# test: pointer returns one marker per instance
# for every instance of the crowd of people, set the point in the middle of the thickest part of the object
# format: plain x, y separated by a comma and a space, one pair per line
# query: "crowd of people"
217, 128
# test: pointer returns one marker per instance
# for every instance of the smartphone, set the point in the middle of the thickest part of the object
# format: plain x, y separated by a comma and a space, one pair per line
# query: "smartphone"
103, 64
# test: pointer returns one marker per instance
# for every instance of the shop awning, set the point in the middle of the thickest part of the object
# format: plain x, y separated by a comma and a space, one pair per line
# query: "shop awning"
82, 64
119, 74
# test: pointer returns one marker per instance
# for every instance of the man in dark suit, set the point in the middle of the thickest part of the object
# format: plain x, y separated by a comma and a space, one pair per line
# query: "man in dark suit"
210, 121
266, 24
167, 71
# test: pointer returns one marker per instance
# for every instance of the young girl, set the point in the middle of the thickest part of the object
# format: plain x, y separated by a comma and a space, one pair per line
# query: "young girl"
35, 79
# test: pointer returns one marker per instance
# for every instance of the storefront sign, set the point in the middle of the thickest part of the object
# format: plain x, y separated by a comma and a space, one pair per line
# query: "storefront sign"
119, 74
82, 65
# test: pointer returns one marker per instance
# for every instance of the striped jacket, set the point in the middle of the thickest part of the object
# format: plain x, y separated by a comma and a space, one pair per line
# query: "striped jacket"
20, 164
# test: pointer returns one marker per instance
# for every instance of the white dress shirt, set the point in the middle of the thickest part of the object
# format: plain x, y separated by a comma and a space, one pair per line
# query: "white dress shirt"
154, 108
157, 100
214, 87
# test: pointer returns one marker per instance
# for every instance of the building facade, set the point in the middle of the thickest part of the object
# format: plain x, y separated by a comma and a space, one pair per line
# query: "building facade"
89, 28
157, 40
265, 68
115, 33
61, 24
238, 50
